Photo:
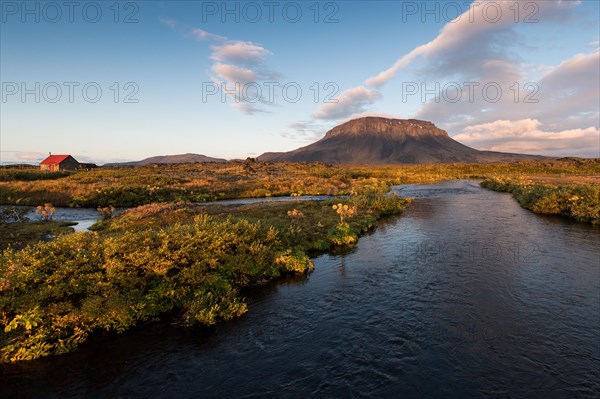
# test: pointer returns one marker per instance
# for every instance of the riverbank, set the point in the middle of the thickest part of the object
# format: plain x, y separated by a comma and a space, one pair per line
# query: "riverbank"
487, 303
175, 261
580, 202
19, 235
133, 186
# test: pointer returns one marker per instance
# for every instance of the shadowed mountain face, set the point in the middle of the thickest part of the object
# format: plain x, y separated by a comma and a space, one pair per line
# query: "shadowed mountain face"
373, 140
181, 158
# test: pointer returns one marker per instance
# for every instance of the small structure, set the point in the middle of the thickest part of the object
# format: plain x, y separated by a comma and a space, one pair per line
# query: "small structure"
87, 166
59, 162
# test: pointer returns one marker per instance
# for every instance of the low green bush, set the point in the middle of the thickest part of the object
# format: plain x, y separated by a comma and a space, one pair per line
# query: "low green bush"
576, 201
53, 295
169, 260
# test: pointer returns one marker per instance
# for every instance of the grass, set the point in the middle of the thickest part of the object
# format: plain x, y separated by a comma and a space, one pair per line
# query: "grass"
177, 261
133, 186
31, 174
580, 202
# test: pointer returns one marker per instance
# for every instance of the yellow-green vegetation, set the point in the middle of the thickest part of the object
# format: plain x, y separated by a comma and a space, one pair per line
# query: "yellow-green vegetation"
31, 174
557, 169
132, 186
177, 261
577, 201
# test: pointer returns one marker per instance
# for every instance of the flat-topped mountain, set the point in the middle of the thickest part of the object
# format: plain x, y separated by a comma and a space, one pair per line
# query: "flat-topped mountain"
180, 158
375, 140
385, 127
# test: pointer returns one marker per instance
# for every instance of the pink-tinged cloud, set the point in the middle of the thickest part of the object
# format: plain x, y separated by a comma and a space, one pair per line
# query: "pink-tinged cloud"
566, 98
201, 34
239, 52
529, 136
239, 68
475, 41
247, 108
233, 73
351, 101
29, 156
581, 72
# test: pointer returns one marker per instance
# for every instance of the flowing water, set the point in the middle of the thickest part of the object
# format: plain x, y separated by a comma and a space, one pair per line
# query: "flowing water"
464, 295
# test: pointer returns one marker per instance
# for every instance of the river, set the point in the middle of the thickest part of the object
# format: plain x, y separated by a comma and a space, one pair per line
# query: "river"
465, 295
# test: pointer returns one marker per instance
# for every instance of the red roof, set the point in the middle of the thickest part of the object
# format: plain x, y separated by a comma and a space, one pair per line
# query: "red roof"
54, 159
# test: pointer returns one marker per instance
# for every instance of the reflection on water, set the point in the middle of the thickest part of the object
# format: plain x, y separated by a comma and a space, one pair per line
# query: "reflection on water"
465, 295
84, 217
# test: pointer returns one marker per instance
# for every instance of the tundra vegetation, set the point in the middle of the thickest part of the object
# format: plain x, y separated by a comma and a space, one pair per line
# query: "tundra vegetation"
576, 201
180, 262
133, 186
172, 257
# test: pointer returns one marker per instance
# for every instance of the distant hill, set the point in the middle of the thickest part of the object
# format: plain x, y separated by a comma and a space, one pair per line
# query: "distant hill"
374, 140
181, 158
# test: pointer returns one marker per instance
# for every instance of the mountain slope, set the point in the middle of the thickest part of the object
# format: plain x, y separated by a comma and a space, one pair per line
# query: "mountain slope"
180, 158
374, 140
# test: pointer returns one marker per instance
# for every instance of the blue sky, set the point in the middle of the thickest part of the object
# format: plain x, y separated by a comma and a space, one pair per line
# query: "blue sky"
161, 68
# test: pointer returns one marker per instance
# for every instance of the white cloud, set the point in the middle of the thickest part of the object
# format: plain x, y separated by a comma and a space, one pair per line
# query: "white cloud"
564, 120
475, 44
528, 136
473, 49
247, 108
578, 73
306, 131
349, 104
239, 67
351, 101
240, 52
233, 73
566, 98
305, 127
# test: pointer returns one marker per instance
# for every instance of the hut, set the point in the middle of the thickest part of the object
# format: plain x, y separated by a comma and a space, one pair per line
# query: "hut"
59, 162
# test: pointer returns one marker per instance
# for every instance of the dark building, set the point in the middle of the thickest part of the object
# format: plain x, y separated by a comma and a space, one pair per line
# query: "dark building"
87, 166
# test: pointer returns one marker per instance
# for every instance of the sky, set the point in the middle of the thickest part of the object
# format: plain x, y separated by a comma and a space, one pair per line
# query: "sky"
120, 81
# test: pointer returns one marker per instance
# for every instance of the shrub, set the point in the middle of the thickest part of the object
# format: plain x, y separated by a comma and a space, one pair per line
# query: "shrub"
345, 211
580, 202
161, 260
46, 212
342, 235
53, 295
